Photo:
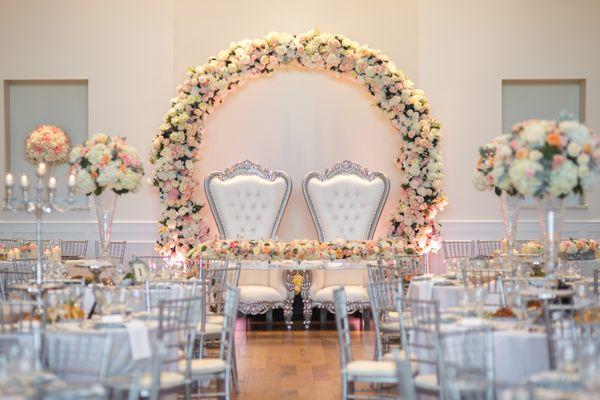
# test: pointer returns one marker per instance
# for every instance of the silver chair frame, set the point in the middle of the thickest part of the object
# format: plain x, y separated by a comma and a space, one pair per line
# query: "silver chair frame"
342, 168
116, 250
250, 168
458, 249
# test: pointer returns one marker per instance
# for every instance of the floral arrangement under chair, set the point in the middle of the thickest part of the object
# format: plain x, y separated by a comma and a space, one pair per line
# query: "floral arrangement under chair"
47, 144
106, 167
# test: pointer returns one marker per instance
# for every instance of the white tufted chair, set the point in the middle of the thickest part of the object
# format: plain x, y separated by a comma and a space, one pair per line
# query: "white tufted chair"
345, 202
247, 202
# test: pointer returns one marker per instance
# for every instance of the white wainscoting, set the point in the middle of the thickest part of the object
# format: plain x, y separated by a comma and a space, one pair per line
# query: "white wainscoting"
142, 235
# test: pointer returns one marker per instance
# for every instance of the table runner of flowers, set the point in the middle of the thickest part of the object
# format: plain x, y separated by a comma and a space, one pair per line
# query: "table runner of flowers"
301, 250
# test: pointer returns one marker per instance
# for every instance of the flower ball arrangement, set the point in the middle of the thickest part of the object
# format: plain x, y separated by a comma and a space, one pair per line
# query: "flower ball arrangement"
48, 144
105, 162
541, 158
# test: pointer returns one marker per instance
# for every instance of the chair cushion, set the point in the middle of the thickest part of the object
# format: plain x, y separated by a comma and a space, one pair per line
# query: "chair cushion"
391, 356
371, 368
428, 382
251, 293
389, 326
204, 366
210, 328
353, 293
168, 380
214, 319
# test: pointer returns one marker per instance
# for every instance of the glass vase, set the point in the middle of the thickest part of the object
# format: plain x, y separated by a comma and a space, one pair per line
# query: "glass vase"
551, 211
105, 210
509, 208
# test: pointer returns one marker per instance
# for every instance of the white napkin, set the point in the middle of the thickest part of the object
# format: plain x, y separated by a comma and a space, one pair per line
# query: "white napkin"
138, 339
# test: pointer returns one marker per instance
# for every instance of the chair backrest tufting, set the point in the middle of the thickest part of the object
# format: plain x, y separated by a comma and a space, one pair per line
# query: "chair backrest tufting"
345, 201
247, 200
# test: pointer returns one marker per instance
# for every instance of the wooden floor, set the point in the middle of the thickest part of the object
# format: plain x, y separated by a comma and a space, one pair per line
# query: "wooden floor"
295, 364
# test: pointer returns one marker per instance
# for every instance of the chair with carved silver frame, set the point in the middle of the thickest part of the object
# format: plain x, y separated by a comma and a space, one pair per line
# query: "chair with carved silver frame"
248, 202
345, 202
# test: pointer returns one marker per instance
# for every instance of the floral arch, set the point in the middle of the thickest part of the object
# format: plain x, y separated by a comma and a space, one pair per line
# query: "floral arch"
177, 144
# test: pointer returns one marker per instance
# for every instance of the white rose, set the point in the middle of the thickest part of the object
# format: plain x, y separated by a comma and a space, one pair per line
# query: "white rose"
535, 155
573, 149
85, 183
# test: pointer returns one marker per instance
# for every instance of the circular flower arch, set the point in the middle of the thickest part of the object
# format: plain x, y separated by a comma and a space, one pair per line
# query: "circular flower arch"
176, 146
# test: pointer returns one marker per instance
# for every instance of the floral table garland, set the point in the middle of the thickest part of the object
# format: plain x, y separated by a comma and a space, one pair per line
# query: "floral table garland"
300, 250
176, 146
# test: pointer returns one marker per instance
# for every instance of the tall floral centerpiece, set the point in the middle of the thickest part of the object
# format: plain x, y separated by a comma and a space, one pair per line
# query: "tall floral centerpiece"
106, 167
553, 159
488, 175
47, 144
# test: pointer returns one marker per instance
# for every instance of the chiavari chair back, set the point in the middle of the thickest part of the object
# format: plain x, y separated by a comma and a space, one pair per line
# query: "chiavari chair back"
478, 273
383, 297
157, 292
74, 248
116, 250
423, 349
487, 248
458, 249
78, 356
223, 367
467, 364
22, 271
220, 274
404, 374
569, 328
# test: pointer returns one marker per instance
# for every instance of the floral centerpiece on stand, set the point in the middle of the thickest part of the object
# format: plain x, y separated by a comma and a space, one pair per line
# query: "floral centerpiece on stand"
106, 167
48, 144
492, 161
549, 160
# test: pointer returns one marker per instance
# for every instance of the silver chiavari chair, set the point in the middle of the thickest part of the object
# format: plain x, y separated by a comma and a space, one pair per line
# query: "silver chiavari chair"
116, 250
218, 275
22, 272
354, 371
478, 273
568, 330
467, 362
171, 351
423, 348
404, 375
383, 295
596, 279
487, 248
458, 249
409, 267
74, 248
220, 367
157, 292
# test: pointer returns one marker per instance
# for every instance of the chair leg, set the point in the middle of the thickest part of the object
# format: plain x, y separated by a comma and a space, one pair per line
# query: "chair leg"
269, 315
235, 378
288, 312
344, 388
307, 311
366, 319
323, 315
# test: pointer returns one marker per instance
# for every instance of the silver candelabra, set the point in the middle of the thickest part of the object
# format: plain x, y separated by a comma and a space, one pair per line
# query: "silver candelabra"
42, 202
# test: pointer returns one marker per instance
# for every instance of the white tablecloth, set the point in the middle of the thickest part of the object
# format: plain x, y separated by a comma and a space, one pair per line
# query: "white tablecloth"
447, 296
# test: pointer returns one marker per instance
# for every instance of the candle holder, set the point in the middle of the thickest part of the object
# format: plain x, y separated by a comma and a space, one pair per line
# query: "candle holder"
42, 202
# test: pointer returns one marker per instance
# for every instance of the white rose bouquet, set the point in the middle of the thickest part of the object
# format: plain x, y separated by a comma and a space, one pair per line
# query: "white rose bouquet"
105, 162
48, 144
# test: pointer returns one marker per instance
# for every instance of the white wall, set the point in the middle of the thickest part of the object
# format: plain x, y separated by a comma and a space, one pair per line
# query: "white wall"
134, 53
